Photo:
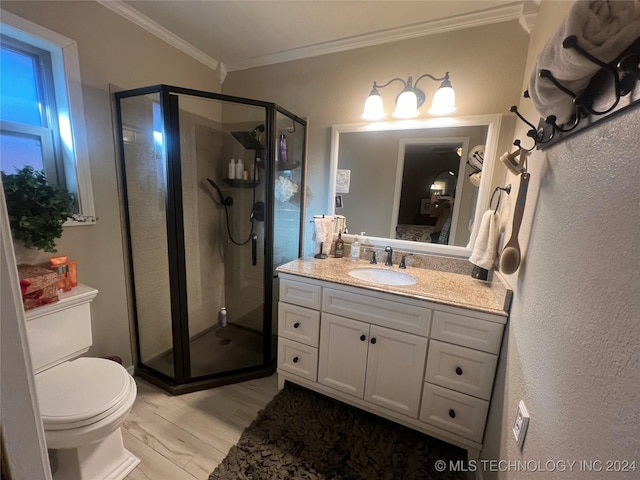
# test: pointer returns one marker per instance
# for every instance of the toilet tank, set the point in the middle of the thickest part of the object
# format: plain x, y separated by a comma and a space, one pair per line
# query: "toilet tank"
62, 330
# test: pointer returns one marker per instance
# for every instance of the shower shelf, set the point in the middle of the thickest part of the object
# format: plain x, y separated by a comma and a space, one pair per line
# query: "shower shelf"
280, 166
236, 183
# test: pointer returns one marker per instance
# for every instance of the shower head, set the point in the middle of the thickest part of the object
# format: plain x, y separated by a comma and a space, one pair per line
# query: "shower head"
248, 139
226, 201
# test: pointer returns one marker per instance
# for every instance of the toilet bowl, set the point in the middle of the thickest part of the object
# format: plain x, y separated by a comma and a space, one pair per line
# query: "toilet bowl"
83, 401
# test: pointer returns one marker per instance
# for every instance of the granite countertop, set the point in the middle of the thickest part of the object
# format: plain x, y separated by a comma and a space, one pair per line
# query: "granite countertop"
435, 286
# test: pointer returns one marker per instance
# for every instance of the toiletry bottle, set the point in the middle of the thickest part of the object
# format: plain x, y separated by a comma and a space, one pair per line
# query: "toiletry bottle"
355, 249
222, 317
73, 273
282, 148
232, 169
339, 249
239, 169
60, 266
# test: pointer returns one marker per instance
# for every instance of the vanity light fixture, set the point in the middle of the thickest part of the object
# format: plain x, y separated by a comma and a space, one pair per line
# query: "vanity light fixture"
410, 99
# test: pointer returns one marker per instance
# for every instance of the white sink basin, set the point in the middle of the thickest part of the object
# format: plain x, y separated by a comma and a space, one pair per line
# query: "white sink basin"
382, 277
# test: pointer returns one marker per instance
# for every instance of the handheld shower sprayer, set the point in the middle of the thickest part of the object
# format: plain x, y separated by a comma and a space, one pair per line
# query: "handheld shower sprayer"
225, 201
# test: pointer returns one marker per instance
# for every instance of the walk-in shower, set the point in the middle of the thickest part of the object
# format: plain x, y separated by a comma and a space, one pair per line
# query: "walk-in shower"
199, 240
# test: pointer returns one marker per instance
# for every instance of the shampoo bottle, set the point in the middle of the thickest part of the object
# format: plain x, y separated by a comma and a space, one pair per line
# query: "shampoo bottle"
239, 169
282, 147
232, 169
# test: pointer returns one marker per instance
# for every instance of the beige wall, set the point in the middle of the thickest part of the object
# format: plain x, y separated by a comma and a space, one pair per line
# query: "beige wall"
112, 50
486, 65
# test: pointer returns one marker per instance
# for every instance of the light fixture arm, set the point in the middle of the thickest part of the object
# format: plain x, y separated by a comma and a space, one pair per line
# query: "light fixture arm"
435, 79
404, 84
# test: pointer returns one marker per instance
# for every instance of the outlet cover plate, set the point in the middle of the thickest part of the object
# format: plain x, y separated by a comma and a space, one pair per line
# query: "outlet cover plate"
521, 424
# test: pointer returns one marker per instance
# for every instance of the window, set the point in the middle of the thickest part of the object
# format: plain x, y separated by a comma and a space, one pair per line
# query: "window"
41, 111
28, 114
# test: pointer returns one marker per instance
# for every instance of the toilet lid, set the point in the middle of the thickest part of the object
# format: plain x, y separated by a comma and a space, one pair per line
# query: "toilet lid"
81, 392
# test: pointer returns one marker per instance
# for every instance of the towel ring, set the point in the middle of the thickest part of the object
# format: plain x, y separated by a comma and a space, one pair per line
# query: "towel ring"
499, 191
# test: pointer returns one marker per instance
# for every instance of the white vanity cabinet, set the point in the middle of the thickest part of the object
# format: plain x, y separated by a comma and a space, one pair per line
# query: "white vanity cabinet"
425, 365
383, 366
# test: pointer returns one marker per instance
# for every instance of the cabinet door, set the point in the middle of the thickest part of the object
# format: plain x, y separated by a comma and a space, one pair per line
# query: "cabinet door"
395, 370
343, 354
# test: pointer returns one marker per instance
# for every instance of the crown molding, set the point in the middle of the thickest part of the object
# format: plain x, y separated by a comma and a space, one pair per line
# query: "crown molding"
525, 12
507, 12
163, 34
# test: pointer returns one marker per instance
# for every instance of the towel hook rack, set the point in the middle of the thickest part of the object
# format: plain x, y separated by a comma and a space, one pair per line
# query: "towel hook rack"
620, 75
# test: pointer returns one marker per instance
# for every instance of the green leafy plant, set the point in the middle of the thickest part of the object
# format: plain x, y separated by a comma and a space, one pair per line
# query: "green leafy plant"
37, 210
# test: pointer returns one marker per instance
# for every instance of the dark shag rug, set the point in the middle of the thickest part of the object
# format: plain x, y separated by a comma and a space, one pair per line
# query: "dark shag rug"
304, 435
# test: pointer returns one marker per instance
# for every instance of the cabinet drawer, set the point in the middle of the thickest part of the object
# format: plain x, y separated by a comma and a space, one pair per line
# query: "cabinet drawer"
298, 323
299, 359
454, 411
386, 313
467, 331
462, 369
299, 293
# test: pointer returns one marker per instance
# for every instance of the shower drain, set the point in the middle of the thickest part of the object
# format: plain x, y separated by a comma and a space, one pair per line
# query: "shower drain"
224, 341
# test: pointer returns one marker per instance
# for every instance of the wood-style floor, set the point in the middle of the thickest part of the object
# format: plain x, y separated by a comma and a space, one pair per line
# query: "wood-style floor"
185, 437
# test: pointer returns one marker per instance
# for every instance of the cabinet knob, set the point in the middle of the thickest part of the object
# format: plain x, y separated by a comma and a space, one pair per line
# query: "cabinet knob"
458, 371
452, 413
295, 360
296, 325
373, 340
362, 338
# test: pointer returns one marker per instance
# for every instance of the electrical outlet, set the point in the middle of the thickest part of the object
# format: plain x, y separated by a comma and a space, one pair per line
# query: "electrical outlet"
521, 424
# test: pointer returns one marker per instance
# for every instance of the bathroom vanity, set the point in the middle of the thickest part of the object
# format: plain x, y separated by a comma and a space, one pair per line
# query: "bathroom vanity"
423, 355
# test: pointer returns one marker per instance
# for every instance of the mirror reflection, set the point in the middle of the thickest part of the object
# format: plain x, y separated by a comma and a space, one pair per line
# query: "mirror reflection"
413, 183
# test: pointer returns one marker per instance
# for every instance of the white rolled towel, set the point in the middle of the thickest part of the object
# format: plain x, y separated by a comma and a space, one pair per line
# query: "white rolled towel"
604, 28
486, 245
323, 228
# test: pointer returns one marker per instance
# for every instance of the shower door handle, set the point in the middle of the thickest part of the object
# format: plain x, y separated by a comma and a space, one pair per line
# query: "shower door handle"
254, 249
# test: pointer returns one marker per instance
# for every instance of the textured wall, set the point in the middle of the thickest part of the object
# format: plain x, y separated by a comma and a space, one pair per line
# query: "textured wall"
571, 351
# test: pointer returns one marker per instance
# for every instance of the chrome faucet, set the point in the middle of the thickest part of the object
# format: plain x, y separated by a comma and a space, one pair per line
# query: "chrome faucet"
389, 251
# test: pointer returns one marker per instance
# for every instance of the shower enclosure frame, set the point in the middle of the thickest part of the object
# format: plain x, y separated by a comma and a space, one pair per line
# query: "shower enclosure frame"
183, 382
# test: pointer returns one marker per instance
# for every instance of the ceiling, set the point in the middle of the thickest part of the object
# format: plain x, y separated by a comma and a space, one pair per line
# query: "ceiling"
235, 35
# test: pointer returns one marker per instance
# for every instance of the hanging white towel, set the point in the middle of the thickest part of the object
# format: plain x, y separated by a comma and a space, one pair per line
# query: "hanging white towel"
485, 249
323, 228
604, 28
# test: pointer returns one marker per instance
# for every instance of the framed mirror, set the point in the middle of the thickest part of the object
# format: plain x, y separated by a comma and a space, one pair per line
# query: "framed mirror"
411, 184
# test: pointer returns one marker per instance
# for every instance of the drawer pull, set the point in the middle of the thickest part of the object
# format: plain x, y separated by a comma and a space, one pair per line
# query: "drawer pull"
362, 338
295, 360
373, 340
452, 413
296, 325
458, 371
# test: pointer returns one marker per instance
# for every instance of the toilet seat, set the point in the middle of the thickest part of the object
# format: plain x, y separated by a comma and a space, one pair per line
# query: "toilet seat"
82, 392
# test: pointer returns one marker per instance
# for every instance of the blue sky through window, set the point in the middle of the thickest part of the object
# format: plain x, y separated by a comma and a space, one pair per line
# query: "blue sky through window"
19, 100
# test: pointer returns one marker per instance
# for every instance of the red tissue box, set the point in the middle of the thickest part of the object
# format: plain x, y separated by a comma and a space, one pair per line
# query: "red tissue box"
38, 286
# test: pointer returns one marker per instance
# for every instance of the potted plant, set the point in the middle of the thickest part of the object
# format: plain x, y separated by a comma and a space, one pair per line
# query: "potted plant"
37, 209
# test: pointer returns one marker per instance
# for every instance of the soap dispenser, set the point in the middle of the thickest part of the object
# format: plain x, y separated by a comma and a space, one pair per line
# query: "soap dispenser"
339, 248
355, 249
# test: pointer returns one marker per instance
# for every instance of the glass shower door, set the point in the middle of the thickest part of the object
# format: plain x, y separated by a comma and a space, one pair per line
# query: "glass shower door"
223, 244
146, 190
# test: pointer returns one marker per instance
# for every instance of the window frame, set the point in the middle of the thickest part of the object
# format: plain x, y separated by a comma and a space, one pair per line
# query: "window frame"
67, 88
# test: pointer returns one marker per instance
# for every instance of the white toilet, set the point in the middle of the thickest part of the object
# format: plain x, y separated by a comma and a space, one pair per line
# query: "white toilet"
83, 401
